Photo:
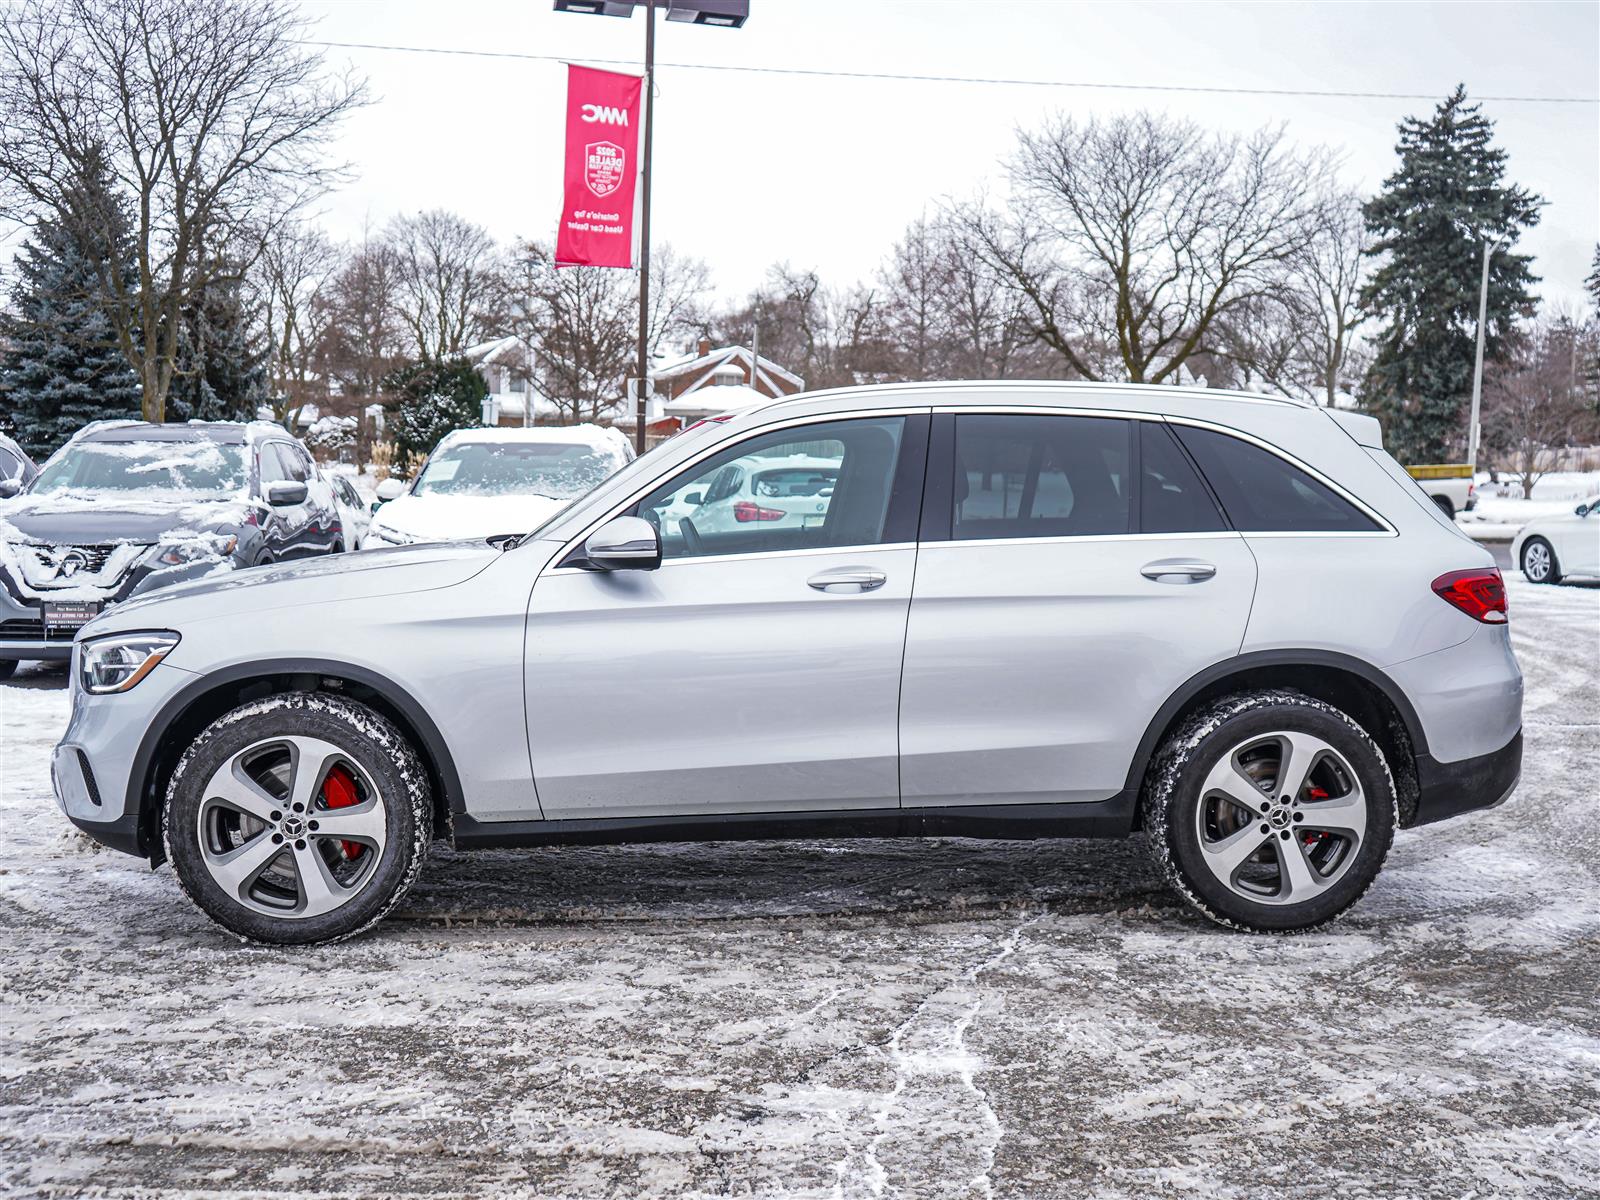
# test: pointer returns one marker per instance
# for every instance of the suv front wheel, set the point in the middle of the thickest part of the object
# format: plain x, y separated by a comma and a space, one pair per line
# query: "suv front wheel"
298, 818
1270, 811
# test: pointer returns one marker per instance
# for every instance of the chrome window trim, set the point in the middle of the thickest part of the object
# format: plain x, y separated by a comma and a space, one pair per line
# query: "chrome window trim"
1065, 538
716, 448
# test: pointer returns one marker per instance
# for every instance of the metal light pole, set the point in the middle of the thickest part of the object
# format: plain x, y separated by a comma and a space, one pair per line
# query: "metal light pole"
644, 225
728, 14
1477, 367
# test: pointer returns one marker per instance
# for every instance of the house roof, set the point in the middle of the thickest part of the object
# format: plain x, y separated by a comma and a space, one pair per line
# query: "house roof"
691, 364
709, 401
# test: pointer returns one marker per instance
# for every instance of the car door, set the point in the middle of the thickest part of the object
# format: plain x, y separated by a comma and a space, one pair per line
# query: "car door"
277, 525
757, 669
1579, 548
1074, 570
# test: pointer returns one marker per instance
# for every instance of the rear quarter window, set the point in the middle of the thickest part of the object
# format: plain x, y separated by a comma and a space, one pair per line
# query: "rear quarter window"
1263, 493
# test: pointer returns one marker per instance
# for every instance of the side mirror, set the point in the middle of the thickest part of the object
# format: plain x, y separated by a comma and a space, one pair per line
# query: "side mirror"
286, 493
1582, 510
9, 488
624, 544
390, 489
694, 498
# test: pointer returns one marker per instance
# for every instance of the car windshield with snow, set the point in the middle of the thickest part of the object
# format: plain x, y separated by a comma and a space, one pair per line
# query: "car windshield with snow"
1014, 611
127, 507
481, 483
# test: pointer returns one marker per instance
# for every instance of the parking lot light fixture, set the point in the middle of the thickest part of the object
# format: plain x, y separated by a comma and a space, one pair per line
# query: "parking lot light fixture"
729, 14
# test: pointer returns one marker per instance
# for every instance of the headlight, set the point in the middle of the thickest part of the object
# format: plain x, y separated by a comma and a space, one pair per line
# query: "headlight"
116, 663
199, 547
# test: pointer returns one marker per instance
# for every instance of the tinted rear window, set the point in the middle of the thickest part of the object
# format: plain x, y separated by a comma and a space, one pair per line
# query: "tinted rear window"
1263, 493
1019, 475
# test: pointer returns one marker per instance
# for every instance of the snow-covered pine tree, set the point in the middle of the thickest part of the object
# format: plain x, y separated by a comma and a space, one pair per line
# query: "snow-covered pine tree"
431, 399
1429, 225
222, 373
61, 366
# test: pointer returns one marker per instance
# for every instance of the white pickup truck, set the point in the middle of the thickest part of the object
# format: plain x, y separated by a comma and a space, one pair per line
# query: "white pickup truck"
1449, 485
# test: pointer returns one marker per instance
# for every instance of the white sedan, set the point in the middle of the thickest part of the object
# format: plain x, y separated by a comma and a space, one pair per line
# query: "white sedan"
1551, 548
792, 491
481, 483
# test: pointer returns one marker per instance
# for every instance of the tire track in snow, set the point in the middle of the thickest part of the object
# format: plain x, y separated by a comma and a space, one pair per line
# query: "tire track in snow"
940, 1023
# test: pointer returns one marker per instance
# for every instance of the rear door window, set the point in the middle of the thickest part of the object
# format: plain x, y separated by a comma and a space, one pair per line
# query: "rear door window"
1263, 493
1171, 497
1020, 475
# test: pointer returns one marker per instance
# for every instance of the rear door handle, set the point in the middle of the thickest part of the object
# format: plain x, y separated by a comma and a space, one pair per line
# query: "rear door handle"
1178, 570
845, 580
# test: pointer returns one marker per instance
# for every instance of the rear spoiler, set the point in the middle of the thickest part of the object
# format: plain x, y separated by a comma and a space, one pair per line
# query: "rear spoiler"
1364, 429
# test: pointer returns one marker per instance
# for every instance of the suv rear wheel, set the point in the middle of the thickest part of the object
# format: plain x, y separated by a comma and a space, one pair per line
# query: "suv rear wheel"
1270, 811
298, 818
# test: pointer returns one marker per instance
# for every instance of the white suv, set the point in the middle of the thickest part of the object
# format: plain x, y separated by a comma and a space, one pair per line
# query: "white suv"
1029, 610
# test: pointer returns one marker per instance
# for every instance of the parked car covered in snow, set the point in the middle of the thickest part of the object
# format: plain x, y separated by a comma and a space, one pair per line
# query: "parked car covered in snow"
126, 507
481, 483
1549, 549
16, 468
354, 514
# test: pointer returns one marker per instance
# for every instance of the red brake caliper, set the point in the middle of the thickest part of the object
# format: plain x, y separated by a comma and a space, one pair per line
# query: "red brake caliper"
339, 790
1315, 793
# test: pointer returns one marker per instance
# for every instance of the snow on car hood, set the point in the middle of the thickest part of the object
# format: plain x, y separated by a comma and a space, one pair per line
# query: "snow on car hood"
449, 518
369, 574
82, 518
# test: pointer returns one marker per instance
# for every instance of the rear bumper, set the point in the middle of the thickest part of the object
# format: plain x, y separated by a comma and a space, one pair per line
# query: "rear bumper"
1450, 788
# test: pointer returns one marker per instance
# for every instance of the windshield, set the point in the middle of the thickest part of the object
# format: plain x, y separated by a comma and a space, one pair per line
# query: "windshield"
199, 467
559, 470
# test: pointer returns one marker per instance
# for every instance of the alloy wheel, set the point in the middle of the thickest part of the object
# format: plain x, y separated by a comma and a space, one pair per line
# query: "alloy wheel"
292, 827
1536, 561
1281, 818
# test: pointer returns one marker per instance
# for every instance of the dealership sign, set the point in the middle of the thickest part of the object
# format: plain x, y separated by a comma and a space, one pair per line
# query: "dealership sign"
602, 169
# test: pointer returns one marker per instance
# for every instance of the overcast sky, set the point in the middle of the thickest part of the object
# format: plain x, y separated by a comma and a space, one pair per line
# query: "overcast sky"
753, 168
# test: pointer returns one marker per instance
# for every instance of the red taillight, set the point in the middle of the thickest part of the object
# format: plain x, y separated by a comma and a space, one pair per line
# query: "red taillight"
1480, 593
748, 510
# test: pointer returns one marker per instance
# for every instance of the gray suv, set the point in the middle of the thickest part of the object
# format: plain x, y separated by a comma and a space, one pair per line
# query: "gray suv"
1231, 622
126, 507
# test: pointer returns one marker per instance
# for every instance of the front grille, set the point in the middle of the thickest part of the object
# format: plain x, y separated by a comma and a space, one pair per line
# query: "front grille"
99, 566
32, 631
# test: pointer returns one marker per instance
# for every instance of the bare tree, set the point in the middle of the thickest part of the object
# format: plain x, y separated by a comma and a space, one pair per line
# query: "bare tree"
212, 117
1535, 404
446, 268
579, 325
293, 279
1130, 239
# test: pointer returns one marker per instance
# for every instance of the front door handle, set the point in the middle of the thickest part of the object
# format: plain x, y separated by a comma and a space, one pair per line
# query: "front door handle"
846, 580
1178, 570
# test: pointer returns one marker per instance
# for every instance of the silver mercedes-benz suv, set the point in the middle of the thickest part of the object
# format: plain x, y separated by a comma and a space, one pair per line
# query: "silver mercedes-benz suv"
1228, 621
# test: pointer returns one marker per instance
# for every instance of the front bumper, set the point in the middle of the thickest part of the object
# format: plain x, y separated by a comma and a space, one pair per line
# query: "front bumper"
1448, 789
94, 765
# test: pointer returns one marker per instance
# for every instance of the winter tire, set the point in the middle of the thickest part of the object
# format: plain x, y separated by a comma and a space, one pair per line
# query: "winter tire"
299, 818
8, 668
1270, 811
1539, 563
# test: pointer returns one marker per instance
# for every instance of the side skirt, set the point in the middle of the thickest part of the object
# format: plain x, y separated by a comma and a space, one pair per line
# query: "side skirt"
1100, 819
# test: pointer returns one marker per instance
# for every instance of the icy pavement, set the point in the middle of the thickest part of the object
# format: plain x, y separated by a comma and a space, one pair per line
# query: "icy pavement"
825, 1019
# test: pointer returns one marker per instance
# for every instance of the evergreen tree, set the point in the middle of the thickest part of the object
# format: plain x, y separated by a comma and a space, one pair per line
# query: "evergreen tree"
221, 375
61, 367
431, 399
1429, 225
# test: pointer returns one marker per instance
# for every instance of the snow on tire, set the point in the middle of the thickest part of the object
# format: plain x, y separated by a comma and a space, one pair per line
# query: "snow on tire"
299, 818
1270, 811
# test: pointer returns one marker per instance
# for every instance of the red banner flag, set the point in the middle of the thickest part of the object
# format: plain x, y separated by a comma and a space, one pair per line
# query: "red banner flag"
602, 169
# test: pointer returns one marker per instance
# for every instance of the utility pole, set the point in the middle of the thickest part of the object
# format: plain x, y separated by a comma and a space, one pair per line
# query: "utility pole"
644, 224
1477, 368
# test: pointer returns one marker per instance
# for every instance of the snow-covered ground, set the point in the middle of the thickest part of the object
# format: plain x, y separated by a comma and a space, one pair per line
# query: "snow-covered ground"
1502, 509
825, 1019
